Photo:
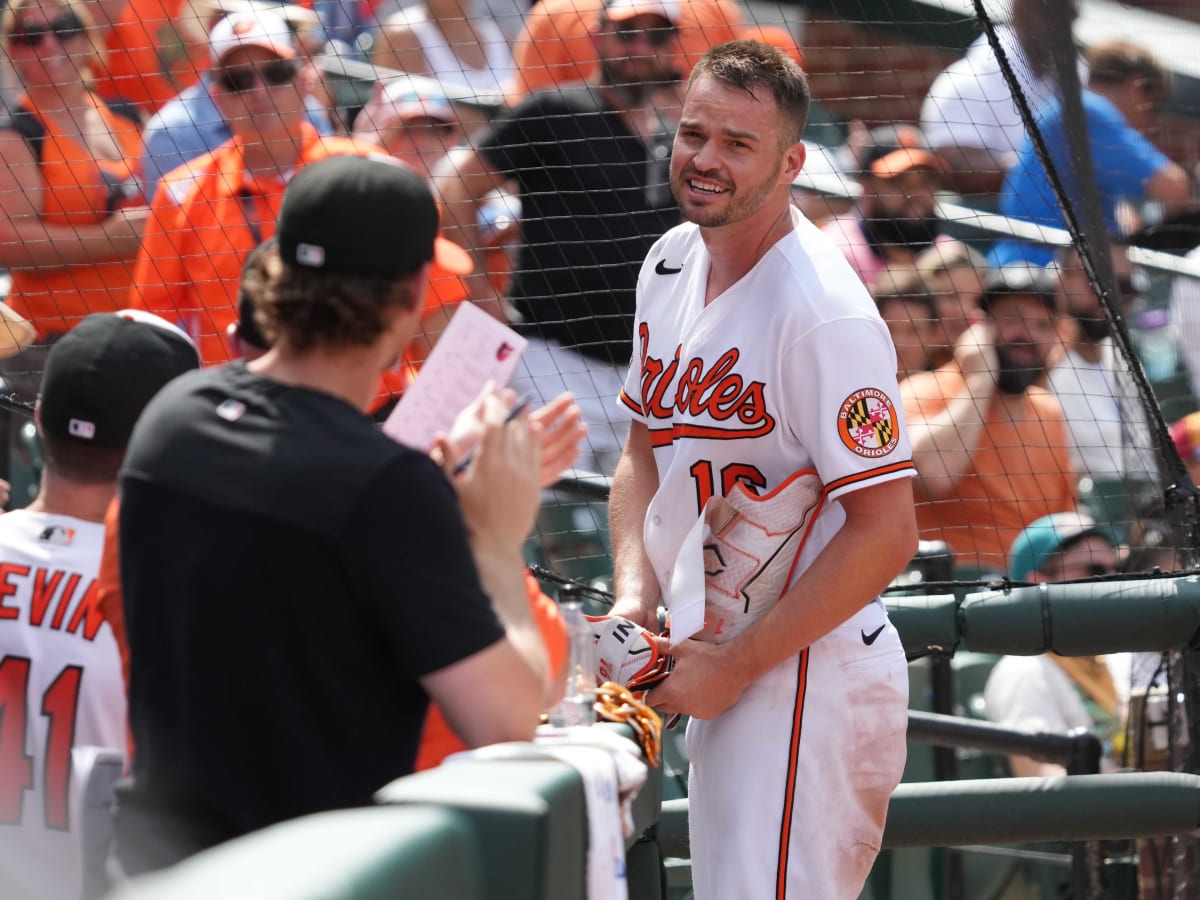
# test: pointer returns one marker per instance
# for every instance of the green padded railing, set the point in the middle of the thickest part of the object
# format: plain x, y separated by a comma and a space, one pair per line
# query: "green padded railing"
1018, 811
1149, 614
376, 853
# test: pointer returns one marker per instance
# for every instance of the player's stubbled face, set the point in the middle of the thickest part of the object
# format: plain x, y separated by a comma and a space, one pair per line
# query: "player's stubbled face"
728, 157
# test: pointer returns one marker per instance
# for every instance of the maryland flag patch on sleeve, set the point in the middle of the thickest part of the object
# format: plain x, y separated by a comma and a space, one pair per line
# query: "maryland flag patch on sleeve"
867, 423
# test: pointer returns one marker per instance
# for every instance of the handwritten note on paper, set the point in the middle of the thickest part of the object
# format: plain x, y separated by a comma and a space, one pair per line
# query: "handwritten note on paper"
473, 350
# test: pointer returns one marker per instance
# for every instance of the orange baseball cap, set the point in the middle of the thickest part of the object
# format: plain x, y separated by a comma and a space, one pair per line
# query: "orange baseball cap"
897, 149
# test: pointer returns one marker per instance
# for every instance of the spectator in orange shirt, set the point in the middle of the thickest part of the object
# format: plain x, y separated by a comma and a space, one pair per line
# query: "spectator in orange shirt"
210, 213
556, 44
990, 445
70, 208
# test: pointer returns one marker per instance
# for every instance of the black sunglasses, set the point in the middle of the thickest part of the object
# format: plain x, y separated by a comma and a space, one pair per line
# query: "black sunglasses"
655, 37
63, 27
273, 74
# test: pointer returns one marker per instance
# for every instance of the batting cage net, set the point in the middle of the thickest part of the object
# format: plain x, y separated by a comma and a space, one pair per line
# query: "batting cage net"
1012, 180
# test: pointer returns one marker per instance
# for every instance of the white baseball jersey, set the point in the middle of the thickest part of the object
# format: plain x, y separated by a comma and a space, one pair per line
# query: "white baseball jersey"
791, 369
60, 689
784, 384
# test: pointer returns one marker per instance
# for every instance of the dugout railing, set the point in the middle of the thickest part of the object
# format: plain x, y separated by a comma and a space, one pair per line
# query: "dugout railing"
517, 827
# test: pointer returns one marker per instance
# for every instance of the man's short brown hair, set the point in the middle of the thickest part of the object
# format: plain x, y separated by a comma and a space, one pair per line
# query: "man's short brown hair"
307, 308
745, 65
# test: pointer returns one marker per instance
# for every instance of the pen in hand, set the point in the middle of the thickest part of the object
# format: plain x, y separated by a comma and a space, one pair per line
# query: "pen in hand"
518, 408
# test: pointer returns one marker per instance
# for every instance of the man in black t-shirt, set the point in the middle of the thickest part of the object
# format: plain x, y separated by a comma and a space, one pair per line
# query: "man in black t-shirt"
590, 161
297, 586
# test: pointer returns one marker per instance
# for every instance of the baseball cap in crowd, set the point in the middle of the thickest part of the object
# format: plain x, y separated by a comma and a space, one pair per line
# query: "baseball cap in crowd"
363, 215
1046, 536
405, 102
259, 27
1018, 280
1186, 435
298, 17
893, 149
101, 374
624, 10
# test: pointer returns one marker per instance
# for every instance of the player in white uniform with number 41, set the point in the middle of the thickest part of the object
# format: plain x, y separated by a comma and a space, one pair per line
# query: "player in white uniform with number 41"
766, 439
61, 690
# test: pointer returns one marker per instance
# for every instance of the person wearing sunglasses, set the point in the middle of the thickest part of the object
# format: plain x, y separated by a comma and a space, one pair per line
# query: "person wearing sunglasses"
190, 125
590, 162
208, 214
71, 213
1052, 693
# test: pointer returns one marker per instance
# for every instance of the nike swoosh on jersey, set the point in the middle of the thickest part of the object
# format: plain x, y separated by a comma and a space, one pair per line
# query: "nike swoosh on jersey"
663, 269
869, 639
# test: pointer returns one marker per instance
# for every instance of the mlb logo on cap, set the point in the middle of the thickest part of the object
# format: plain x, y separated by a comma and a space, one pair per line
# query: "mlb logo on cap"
310, 255
81, 429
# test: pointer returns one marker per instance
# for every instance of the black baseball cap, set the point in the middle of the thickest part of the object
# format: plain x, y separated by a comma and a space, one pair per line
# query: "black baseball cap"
101, 374
363, 215
1018, 280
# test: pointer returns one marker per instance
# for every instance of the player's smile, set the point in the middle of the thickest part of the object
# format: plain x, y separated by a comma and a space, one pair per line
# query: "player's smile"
705, 186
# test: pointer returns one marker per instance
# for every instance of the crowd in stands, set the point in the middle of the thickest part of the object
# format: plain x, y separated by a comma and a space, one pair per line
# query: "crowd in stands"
147, 144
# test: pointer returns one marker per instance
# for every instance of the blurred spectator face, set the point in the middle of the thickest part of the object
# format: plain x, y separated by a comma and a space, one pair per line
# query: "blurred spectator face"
256, 92
636, 51
1087, 557
419, 142
49, 44
1079, 300
911, 328
416, 128
900, 177
1025, 337
900, 207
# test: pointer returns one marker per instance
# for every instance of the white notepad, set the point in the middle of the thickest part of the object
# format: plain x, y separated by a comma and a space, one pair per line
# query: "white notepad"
473, 350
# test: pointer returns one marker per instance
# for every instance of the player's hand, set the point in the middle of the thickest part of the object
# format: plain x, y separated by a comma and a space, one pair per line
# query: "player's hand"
635, 609
704, 683
467, 430
976, 350
498, 490
5, 492
562, 433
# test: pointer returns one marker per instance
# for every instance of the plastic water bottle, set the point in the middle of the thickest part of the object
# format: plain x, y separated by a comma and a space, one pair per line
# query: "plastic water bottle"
575, 708
1157, 342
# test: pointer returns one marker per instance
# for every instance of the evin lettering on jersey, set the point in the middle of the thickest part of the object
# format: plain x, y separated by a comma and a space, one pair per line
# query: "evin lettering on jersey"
51, 595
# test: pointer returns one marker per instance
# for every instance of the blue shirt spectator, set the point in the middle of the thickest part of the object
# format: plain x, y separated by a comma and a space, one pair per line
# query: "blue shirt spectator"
1123, 159
190, 126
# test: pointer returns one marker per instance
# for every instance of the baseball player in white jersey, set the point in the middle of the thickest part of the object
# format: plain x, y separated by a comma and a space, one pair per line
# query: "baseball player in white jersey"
763, 375
61, 687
